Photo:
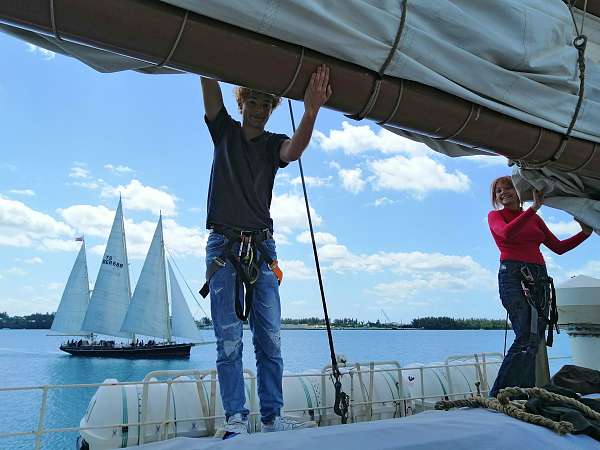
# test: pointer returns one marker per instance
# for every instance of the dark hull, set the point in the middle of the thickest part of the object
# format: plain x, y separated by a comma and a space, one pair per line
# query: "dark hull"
155, 351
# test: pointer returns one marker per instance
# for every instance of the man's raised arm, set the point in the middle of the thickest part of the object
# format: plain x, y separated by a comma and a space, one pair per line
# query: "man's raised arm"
213, 99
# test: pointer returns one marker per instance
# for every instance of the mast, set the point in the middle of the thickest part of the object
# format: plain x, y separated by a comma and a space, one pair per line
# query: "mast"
166, 295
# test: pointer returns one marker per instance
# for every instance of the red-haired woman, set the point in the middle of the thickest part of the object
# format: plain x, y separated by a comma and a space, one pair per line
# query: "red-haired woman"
522, 279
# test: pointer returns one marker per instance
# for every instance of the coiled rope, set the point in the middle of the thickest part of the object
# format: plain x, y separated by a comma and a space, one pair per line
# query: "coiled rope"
516, 408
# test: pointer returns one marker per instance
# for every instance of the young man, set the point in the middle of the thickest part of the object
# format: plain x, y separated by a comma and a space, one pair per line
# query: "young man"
246, 159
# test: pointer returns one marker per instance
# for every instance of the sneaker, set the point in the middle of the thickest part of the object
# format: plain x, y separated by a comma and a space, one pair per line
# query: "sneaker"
283, 423
234, 426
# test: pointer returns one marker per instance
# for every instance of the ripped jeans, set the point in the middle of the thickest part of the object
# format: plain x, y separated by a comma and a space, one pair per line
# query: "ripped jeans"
265, 323
518, 366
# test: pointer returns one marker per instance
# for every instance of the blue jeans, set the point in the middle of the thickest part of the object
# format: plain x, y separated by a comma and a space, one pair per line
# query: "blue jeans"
265, 323
518, 366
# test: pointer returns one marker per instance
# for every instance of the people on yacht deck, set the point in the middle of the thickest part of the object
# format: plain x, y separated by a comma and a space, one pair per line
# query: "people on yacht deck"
524, 286
245, 161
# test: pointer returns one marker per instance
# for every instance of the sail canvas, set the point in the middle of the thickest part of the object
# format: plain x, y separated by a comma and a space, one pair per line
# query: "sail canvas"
112, 291
183, 324
148, 313
75, 299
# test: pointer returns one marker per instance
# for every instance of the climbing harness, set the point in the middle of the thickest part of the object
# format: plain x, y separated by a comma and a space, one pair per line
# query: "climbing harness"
342, 400
246, 263
541, 297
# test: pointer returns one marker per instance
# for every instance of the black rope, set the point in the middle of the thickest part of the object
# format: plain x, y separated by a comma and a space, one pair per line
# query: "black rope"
340, 406
505, 333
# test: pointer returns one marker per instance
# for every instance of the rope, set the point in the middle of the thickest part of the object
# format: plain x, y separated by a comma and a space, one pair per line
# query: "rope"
379, 77
186, 283
341, 403
580, 44
53, 21
296, 72
516, 408
176, 42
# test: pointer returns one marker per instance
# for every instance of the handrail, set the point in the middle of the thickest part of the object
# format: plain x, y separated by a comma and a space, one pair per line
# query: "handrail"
208, 406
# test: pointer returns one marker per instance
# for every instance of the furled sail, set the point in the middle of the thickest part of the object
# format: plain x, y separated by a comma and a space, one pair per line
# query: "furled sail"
148, 313
183, 323
468, 77
112, 291
75, 299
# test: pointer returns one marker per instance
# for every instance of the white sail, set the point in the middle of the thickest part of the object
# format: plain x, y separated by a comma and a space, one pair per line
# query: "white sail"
183, 323
75, 299
112, 291
148, 313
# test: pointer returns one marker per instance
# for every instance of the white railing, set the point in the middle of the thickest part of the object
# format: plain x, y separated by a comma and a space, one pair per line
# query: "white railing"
358, 370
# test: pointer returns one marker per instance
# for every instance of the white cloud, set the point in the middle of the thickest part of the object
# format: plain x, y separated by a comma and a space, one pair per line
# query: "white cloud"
137, 196
179, 240
418, 175
352, 180
296, 270
54, 286
382, 201
89, 220
34, 260
355, 140
22, 226
46, 54
26, 192
79, 172
487, 160
311, 181
415, 272
118, 169
87, 184
61, 245
289, 213
320, 237
16, 271
591, 269
564, 228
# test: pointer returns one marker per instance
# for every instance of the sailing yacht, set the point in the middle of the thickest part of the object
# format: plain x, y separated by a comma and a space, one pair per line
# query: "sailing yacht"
113, 311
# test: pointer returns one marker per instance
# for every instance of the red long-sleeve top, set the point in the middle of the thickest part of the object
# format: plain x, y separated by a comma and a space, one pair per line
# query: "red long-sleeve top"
519, 234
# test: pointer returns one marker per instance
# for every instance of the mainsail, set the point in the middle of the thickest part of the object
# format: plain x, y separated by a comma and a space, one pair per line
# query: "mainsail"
148, 313
112, 291
183, 323
75, 299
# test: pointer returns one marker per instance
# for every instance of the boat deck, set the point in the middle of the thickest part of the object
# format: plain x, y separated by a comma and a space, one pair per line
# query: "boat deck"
449, 430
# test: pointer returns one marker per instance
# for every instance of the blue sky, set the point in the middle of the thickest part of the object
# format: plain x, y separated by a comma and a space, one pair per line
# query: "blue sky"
399, 227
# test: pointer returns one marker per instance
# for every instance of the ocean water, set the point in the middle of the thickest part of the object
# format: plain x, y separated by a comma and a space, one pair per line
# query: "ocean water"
31, 358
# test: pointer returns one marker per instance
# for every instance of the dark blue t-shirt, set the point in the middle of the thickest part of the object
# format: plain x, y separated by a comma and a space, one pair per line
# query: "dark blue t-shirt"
242, 175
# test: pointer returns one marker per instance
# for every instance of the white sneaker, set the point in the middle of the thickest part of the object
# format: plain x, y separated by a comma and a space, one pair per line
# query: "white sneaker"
286, 423
234, 426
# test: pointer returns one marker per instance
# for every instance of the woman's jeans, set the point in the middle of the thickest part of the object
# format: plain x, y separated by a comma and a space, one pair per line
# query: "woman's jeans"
265, 323
518, 367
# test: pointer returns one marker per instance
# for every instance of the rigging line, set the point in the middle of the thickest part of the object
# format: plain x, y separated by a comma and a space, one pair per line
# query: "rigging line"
341, 398
185, 281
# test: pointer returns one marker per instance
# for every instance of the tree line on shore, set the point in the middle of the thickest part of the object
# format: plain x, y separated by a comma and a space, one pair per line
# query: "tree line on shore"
44, 321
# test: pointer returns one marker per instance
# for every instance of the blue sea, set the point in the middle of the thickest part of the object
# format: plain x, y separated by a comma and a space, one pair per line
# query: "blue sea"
31, 358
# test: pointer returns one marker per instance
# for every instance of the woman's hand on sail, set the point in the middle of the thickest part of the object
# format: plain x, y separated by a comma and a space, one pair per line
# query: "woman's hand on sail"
584, 227
538, 199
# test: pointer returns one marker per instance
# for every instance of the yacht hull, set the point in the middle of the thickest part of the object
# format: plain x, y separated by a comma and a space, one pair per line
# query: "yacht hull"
155, 351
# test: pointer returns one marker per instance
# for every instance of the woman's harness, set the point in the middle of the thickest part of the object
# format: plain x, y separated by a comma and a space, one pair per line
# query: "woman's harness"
245, 262
541, 297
